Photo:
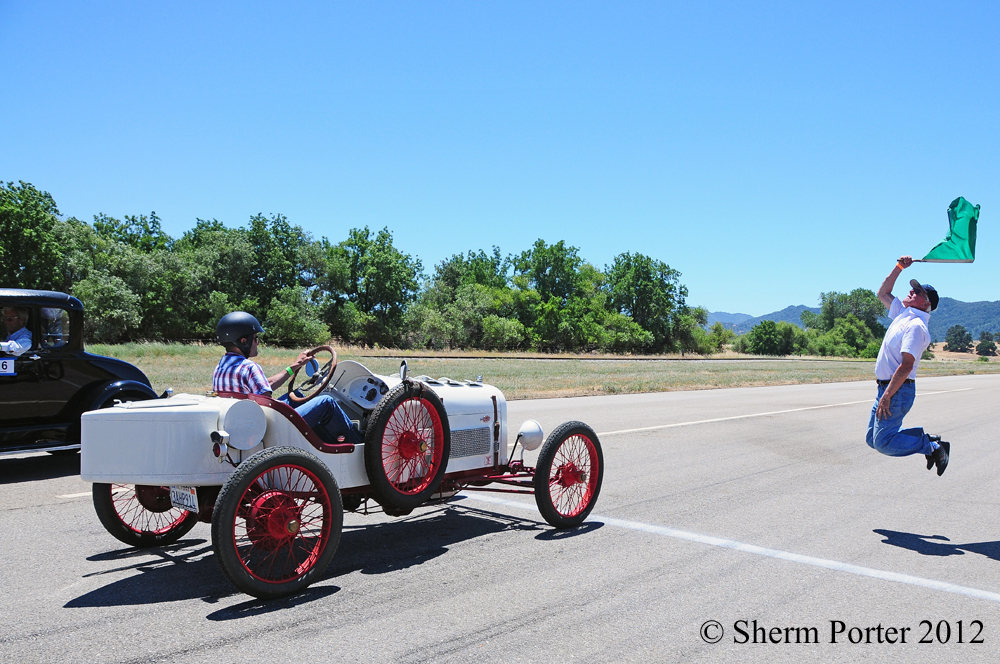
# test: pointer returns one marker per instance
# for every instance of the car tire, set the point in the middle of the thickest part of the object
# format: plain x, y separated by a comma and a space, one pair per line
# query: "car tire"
569, 474
141, 516
277, 522
407, 445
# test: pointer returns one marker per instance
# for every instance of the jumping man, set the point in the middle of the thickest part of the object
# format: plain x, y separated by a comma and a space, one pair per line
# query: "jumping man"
896, 372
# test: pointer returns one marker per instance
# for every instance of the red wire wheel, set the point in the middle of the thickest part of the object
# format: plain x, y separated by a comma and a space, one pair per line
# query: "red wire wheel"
569, 474
141, 516
407, 444
277, 522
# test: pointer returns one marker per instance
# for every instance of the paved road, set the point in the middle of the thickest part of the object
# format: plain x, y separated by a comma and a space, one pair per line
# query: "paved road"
758, 504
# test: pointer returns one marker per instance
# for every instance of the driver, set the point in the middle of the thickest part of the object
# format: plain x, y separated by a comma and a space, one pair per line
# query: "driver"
18, 336
236, 372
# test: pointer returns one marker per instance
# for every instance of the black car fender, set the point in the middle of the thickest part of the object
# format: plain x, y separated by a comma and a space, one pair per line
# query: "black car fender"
132, 388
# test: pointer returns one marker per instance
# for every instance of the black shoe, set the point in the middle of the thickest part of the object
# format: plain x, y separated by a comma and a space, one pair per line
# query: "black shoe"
930, 457
941, 457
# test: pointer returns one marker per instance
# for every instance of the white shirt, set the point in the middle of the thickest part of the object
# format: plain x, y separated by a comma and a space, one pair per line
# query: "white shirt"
907, 334
18, 342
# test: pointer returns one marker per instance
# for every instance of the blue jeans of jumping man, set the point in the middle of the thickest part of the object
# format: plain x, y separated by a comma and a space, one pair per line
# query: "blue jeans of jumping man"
884, 435
325, 416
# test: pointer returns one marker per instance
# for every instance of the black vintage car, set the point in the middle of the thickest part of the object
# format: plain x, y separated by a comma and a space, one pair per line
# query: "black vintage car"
45, 388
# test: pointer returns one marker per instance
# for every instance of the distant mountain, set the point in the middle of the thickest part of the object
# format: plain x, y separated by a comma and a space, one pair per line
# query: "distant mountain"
726, 319
741, 323
973, 316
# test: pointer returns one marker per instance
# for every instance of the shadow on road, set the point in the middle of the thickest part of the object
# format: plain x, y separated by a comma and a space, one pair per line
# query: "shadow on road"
557, 535
42, 467
188, 570
256, 607
389, 546
937, 545
181, 571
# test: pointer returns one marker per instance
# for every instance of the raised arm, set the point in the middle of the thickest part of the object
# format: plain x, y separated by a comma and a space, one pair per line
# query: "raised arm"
885, 290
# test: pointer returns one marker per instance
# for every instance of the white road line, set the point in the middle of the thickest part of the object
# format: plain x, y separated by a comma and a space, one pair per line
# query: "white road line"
75, 495
773, 412
835, 565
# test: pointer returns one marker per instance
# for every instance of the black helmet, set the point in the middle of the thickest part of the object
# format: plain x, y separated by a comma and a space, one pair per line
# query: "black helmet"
238, 328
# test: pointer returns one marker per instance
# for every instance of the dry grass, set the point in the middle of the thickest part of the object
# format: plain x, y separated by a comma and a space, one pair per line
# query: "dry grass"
188, 368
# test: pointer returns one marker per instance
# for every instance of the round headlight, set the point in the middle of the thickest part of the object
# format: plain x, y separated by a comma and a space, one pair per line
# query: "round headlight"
530, 435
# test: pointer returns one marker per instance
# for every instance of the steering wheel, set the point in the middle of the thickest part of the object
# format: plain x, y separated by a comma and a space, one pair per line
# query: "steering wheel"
315, 383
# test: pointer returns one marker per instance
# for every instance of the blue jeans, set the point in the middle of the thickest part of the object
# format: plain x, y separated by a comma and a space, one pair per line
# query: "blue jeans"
325, 416
884, 435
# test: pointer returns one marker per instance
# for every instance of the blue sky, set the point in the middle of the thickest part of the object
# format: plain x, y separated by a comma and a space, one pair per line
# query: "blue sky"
767, 151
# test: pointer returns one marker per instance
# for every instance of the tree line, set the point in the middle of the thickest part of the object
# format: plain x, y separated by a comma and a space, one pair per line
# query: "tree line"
847, 325
138, 283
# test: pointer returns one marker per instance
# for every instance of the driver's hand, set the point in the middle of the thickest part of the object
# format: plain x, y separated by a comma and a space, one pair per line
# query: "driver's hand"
300, 361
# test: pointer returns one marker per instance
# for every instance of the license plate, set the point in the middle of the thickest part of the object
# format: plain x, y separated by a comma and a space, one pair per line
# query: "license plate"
185, 497
6, 366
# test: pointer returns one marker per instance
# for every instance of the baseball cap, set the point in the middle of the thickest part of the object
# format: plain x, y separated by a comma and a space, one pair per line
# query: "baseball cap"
926, 289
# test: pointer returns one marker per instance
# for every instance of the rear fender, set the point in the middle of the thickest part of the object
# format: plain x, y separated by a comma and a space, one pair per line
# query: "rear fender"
96, 396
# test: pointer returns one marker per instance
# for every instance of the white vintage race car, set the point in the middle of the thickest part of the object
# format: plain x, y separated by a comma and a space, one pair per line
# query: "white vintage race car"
274, 491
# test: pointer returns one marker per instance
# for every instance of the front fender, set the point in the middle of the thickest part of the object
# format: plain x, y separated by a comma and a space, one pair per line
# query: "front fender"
130, 387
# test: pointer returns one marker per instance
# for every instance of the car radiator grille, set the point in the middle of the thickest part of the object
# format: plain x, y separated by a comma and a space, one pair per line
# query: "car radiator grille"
470, 442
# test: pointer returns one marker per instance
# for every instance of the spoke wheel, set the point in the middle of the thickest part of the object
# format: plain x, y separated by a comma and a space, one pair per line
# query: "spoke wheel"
569, 474
277, 522
407, 444
141, 516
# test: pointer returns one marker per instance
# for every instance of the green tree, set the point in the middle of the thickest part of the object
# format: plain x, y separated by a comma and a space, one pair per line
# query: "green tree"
552, 270
292, 319
140, 232
650, 293
718, 337
850, 337
958, 340
379, 283
689, 330
30, 255
986, 345
276, 247
474, 268
222, 263
112, 308
463, 292
860, 302
773, 338
765, 339
870, 351
81, 249
503, 333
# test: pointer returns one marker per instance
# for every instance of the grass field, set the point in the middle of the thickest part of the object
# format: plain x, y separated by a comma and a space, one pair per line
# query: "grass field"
188, 368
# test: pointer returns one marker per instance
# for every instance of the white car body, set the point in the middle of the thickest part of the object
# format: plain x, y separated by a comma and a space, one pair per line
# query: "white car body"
169, 441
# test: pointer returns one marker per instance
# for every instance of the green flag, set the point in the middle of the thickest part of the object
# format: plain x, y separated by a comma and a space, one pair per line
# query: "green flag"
960, 244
